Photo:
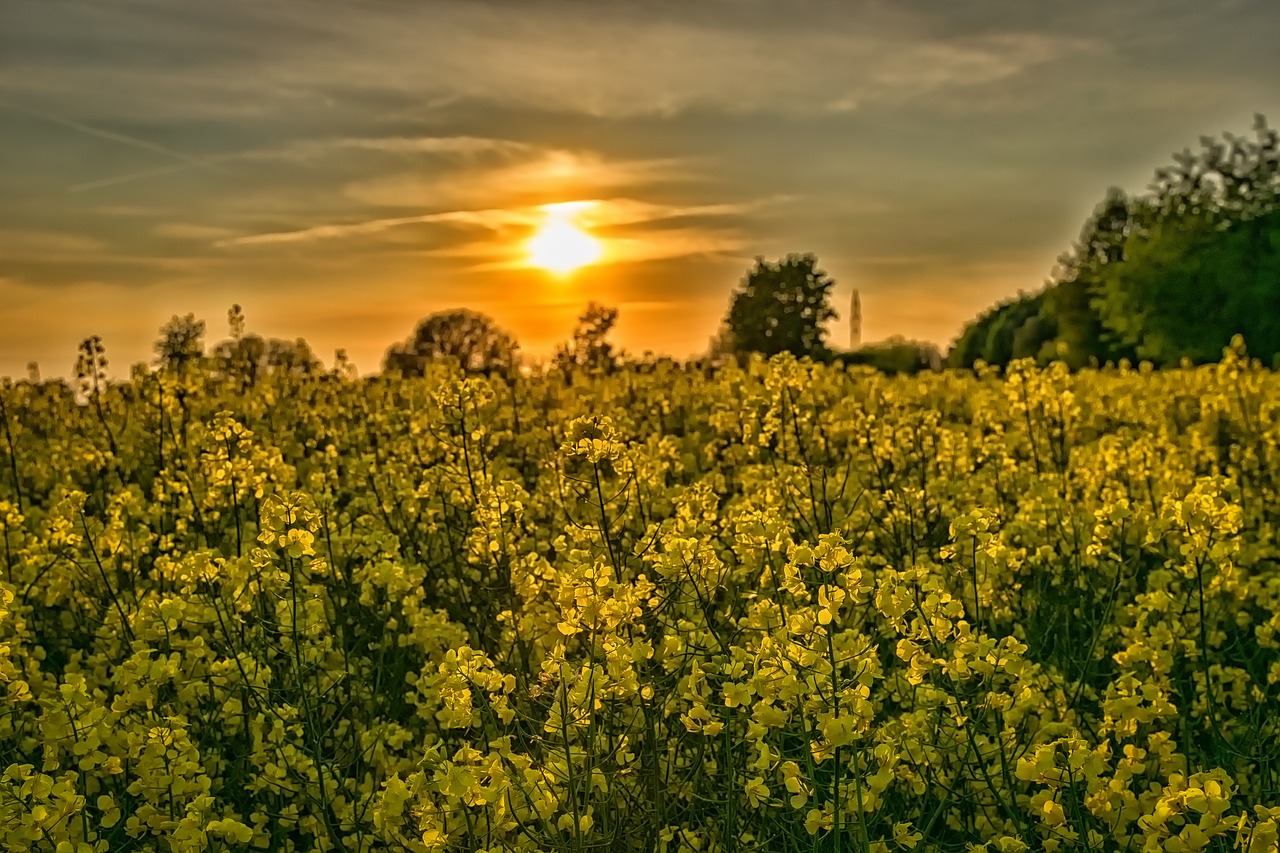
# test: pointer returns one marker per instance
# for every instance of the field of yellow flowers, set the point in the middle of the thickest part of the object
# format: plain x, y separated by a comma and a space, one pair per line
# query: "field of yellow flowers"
785, 607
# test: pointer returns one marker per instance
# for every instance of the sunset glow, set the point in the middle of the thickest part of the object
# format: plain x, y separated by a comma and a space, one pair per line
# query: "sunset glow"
560, 245
937, 157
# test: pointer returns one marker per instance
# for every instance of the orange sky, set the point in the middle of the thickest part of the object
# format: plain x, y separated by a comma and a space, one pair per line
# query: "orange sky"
342, 169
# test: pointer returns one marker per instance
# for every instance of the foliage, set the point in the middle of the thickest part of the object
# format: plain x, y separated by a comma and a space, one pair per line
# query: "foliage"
785, 606
894, 355
1017, 325
1189, 283
474, 340
1171, 274
249, 358
181, 343
590, 348
1061, 322
1201, 254
781, 307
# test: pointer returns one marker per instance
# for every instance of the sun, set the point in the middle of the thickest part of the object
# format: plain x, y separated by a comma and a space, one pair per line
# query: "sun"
561, 246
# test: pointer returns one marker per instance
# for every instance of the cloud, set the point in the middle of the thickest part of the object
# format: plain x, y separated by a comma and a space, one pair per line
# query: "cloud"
631, 231
592, 213
628, 211
623, 63
130, 177
543, 177
464, 146
190, 231
266, 60
29, 242
110, 135
308, 150
493, 218
677, 243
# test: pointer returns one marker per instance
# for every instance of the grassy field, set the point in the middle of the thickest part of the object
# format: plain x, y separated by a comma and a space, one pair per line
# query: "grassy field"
787, 607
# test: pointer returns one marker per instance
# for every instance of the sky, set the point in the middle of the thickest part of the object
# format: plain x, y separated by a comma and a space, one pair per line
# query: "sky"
344, 168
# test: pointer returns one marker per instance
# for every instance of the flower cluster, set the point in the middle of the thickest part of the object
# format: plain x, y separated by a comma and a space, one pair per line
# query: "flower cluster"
784, 607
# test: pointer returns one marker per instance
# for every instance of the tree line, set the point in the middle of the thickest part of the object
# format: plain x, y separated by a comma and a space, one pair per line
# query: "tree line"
1164, 276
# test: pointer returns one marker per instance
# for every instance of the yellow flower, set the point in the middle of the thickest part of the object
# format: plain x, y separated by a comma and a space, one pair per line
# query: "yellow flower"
756, 790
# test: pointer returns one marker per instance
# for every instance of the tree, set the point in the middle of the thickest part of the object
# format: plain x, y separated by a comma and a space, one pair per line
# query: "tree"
294, 357
895, 355
781, 307
1201, 255
1170, 274
252, 357
1002, 332
249, 357
721, 347
478, 343
1187, 287
590, 348
181, 343
1030, 338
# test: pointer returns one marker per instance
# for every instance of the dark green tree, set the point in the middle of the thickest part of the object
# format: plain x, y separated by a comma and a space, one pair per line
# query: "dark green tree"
1201, 255
1031, 338
1188, 286
474, 340
895, 355
991, 337
781, 307
1170, 274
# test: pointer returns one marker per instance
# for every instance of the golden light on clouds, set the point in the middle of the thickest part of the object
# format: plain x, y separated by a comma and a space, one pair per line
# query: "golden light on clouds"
561, 245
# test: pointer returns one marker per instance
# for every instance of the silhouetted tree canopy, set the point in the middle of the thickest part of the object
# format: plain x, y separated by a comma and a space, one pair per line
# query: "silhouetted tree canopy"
478, 343
250, 357
991, 337
181, 343
253, 357
590, 347
895, 355
781, 307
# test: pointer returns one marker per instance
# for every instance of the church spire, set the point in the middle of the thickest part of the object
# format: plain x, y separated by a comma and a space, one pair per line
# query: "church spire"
855, 322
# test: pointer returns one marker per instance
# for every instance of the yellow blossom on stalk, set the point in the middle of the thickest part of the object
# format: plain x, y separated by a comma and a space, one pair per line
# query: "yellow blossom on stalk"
756, 790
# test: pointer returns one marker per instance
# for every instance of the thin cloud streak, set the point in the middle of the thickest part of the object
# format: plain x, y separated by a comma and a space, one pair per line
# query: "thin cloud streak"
609, 213
548, 175
190, 231
491, 218
298, 152
655, 246
127, 178
112, 136
446, 145
16, 242
596, 213
723, 57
